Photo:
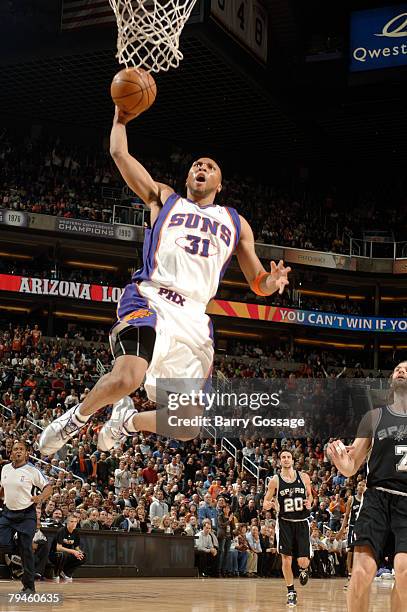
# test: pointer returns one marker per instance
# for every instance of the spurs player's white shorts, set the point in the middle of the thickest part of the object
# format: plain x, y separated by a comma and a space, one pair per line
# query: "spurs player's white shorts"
183, 350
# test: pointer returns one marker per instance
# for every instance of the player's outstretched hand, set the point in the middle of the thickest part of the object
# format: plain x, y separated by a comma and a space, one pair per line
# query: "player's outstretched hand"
278, 275
122, 117
338, 453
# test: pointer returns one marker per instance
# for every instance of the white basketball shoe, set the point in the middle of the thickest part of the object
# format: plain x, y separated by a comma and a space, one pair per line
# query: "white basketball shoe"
57, 434
113, 431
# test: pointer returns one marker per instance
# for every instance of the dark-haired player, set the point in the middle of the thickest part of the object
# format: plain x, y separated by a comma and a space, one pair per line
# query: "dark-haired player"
382, 440
162, 330
294, 499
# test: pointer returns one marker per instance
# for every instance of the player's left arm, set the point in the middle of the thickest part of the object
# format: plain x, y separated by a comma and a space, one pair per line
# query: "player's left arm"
307, 482
260, 281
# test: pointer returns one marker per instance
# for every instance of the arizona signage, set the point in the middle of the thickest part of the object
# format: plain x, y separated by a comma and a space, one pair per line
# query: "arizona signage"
60, 288
259, 312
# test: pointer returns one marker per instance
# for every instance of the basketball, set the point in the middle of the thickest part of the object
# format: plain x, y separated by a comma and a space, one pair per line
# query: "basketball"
133, 90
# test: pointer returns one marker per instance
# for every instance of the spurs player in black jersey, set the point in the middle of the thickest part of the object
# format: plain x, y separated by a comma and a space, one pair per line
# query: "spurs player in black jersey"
384, 509
353, 506
294, 499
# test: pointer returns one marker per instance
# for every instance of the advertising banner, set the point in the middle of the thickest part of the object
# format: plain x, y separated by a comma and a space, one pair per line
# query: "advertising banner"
312, 318
59, 288
378, 38
17, 218
258, 312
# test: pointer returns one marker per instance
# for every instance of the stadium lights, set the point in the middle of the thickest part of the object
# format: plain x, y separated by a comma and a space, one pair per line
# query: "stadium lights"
328, 343
389, 298
85, 317
15, 255
14, 308
238, 334
390, 347
94, 266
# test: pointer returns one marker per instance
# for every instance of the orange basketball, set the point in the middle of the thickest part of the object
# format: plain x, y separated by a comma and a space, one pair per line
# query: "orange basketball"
133, 90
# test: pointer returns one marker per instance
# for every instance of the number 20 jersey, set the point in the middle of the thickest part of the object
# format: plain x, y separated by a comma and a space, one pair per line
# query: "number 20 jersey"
291, 499
189, 247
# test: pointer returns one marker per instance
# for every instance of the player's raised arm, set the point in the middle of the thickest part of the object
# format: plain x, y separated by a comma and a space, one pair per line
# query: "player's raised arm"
152, 193
261, 282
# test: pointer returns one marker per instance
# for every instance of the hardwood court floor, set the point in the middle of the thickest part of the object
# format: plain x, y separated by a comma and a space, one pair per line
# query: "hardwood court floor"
193, 595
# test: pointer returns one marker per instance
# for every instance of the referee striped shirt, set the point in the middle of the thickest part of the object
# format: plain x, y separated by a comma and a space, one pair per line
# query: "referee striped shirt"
20, 484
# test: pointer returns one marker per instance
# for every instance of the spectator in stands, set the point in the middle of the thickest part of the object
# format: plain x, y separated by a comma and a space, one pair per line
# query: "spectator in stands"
225, 530
131, 522
93, 521
158, 507
322, 516
122, 477
337, 510
206, 545
149, 474
191, 527
242, 547
208, 511
141, 516
253, 540
80, 464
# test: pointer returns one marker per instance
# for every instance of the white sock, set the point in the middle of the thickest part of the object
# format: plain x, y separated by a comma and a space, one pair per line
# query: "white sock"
78, 418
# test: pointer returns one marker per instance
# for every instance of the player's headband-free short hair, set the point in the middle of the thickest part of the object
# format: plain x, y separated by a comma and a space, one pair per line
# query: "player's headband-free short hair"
23, 442
285, 450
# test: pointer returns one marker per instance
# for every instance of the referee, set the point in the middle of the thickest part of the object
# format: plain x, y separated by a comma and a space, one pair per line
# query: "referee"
22, 486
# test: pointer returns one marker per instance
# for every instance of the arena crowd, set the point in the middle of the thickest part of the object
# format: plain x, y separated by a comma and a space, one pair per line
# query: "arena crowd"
49, 176
154, 485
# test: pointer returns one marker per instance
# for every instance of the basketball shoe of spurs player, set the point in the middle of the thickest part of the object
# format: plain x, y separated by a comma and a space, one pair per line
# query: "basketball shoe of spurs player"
57, 433
114, 430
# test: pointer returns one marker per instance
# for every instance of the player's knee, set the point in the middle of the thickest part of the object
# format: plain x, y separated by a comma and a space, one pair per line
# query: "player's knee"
361, 576
122, 382
400, 570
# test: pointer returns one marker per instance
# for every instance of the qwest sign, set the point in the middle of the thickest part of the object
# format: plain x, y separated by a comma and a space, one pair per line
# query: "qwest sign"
378, 38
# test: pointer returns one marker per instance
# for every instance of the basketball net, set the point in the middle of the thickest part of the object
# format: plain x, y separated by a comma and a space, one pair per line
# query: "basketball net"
148, 32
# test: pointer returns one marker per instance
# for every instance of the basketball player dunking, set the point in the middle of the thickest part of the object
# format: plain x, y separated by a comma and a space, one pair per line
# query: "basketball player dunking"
353, 506
294, 500
383, 513
162, 331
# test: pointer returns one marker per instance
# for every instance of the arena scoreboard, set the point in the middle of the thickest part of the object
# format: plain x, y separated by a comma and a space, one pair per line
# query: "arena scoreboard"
246, 21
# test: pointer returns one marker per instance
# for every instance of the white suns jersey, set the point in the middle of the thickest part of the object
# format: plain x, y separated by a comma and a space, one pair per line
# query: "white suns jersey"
189, 247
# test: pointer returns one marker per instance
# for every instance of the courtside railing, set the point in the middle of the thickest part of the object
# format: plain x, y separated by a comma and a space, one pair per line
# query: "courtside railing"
252, 468
211, 431
229, 447
12, 413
